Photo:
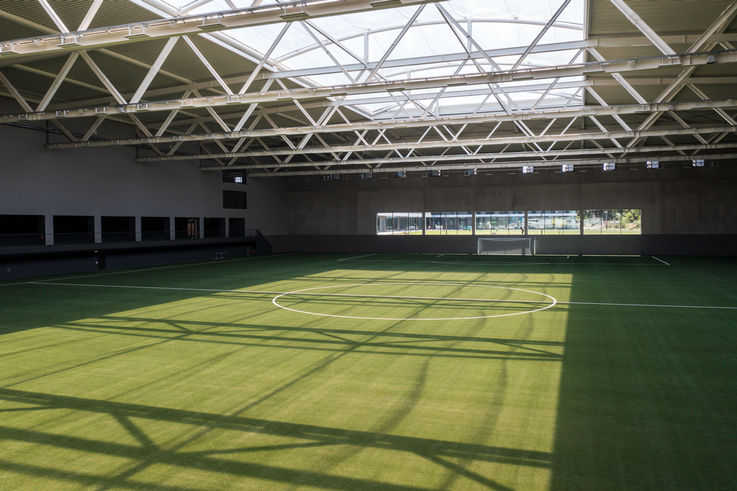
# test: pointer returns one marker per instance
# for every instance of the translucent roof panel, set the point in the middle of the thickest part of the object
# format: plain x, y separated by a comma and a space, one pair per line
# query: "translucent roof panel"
430, 40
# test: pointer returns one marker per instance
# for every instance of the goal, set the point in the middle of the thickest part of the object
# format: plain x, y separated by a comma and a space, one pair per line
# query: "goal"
517, 246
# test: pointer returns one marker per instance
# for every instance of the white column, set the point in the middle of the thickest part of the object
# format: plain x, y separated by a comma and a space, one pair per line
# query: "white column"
172, 229
98, 229
49, 229
139, 231
202, 227
227, 227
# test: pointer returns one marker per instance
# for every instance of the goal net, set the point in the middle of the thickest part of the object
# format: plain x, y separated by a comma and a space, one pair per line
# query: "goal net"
517, 246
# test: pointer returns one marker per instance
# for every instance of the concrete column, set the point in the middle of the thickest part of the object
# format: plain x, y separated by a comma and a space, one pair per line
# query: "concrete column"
49, 229
172, 230
580, 225
202, 227
527, 225
473, 223
227, 227
139, 232
98, 229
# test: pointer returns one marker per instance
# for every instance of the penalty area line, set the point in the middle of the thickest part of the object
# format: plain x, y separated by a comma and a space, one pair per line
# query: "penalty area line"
356, 257
658, 259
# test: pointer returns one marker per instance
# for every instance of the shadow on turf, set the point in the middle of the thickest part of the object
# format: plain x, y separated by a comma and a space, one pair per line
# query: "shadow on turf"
305, 435
392, 343
648, 398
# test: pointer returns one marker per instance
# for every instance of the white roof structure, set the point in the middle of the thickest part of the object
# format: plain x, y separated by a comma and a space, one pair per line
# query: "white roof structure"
348, 86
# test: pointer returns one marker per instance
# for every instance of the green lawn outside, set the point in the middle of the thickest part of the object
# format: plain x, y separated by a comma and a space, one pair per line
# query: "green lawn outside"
201, 377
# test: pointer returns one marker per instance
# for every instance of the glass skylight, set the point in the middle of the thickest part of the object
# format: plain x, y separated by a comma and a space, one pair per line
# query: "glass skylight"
348, 47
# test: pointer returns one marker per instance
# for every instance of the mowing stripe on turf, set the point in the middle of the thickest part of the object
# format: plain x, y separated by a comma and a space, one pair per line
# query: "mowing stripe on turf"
267, 292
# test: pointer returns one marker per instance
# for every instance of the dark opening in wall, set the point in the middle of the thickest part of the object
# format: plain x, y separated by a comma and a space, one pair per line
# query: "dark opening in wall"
234, 176
118, 229
214, 228
22, 230
187, 228
154, 228
237, 227
71, 229
234, 199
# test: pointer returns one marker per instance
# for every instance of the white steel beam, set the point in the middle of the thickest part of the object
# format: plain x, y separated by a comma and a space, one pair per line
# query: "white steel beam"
501, 140
693, 60
53, 15
417, 123
540, 34
103, 78
479, 157
219, 21
489, 165
637, 21
14, 92
57, 82
207, 65
160, 59
91, 12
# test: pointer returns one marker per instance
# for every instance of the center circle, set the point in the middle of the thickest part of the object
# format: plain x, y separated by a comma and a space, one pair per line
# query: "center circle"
552, 300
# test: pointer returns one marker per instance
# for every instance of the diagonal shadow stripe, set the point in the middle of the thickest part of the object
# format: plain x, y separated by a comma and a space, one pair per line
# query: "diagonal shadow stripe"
336, 436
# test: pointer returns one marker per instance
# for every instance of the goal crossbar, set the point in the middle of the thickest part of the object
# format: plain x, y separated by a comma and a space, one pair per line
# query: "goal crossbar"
513, 246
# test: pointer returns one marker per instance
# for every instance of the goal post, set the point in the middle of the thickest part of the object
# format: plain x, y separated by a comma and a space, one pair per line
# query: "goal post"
513, 246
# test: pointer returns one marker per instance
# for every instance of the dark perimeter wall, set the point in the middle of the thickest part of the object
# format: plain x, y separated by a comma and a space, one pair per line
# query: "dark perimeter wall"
685, 210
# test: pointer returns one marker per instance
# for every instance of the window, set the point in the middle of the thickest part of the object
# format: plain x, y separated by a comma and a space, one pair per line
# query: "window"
234, 199
448, 223
187, 228
612, 222
234, 176
118, 229
543, 222
554, 222
401, 223
500, 222
214, 228
72, 229
236, 227
22, 229
155, 228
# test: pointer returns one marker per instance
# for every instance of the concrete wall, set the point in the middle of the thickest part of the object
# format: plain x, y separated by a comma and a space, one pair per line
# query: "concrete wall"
108, 181
684, 210
673, 200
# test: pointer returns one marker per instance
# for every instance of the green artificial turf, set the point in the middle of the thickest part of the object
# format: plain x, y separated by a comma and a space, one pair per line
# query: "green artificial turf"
194, 377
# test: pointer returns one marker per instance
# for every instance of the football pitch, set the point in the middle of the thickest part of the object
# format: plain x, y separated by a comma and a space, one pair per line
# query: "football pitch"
374, 371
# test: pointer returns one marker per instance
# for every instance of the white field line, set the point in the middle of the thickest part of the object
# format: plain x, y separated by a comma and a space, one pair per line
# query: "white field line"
139, 287
493, 264
267, 292
140, 270
355, 257
14, 284
664, 262
298, 292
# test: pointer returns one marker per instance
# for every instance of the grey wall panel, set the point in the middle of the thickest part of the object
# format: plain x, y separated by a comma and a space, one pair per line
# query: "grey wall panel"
676, 200
108, 181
